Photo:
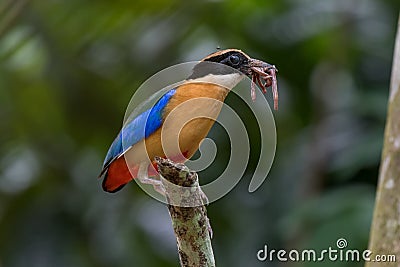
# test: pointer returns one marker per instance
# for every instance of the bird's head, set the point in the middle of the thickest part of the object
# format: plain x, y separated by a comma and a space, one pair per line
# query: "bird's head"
239, 65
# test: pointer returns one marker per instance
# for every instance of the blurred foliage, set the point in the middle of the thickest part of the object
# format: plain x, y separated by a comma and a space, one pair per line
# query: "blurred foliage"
69, 68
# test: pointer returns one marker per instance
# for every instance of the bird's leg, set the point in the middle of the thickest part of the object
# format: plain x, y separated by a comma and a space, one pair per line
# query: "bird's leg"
143, 177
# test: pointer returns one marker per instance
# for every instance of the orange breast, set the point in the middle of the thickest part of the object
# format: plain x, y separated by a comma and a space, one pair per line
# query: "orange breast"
188, 118
190, 115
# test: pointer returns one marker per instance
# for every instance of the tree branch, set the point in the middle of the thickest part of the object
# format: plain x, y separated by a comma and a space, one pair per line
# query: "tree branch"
385, 230
188, 214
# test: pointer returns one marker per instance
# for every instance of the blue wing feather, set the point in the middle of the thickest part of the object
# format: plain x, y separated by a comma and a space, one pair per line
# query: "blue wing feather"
139, 128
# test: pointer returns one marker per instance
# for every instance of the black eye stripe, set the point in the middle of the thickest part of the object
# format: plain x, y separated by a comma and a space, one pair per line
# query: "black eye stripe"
225, 57
228, 59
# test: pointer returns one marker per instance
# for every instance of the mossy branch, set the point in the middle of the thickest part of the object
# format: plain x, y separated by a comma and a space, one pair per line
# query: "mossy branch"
188, 214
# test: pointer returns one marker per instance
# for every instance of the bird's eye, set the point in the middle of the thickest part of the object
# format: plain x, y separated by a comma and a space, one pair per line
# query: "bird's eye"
235, 60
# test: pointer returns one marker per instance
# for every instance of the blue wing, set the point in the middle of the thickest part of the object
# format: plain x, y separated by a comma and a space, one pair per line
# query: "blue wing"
137, 129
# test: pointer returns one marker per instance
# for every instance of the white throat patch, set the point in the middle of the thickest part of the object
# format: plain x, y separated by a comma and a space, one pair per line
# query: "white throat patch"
225, 80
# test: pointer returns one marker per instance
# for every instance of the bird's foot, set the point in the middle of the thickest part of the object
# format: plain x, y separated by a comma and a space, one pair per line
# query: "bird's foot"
145, 179
157, 184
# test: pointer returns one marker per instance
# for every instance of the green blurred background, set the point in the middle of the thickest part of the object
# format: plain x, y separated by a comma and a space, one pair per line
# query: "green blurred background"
69, 68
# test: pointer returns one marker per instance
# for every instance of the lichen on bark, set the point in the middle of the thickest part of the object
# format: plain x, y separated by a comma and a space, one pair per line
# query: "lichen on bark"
188, 214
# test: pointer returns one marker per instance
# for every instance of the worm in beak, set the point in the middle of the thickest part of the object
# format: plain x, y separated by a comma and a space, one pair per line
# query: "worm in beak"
263, 75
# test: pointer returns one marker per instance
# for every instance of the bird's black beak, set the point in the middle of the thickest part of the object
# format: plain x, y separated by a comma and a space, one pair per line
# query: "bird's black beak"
260, 67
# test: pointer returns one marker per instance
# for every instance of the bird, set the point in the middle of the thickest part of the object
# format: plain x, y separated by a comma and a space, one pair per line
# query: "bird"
181, 118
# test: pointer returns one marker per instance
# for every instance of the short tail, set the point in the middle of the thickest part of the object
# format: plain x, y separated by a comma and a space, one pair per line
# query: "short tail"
109, 187
117, 175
